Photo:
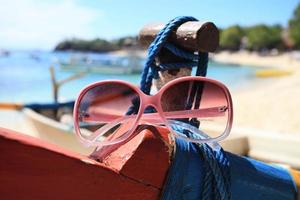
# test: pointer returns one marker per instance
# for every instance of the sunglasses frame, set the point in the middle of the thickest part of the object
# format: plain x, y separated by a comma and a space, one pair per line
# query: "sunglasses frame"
154, 101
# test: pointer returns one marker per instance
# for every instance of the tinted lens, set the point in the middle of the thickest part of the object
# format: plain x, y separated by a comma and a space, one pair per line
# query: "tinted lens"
202, 102
103, 111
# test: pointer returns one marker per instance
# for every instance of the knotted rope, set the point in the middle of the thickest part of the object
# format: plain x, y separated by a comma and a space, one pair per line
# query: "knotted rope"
216, 183
154, 49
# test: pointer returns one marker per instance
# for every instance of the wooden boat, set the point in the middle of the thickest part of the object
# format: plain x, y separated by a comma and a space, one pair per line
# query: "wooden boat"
243, 141
38, 169
271, 147
119, 65
131, 172
57, 164
54, 124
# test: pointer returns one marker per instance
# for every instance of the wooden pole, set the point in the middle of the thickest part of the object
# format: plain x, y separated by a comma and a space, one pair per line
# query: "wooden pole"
190, 36
57, 84
54, 84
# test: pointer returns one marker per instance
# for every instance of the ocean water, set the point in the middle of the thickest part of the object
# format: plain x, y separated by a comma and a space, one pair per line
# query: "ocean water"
25, 76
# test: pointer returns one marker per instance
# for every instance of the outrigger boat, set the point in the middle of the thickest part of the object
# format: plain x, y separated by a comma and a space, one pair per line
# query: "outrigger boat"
52, 122
118, 65
55, 160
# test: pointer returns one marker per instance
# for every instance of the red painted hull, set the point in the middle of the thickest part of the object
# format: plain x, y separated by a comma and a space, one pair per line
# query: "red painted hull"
33, 169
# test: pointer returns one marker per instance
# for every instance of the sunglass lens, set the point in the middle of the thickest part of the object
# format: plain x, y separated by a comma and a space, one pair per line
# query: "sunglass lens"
107, 112
201, 103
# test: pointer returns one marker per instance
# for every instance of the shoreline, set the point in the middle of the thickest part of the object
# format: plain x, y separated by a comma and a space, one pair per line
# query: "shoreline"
279, 61
284, 60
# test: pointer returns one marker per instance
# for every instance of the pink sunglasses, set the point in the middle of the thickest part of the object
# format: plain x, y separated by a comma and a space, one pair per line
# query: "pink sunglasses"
109, 112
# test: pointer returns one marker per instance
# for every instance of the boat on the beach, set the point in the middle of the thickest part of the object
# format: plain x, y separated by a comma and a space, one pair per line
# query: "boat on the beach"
54, 123
49, 162
115, 65
272, 72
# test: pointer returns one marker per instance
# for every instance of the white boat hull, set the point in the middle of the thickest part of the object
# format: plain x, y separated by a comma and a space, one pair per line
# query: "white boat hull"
55, 132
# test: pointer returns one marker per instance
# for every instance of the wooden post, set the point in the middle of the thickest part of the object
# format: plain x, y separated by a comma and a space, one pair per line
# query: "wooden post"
190, 36
56, 84
193, 37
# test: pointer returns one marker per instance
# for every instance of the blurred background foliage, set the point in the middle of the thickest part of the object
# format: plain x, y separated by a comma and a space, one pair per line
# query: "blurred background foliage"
263, 37
294, 28
97, 45
259, 37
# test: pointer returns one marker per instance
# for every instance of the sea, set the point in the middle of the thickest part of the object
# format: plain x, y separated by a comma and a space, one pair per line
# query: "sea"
25, 76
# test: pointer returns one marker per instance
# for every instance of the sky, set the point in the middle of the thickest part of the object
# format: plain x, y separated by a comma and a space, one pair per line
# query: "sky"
41, 24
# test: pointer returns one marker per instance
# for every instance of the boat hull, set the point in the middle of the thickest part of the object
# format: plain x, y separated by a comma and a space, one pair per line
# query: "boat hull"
37, 169
101, 69
54, 132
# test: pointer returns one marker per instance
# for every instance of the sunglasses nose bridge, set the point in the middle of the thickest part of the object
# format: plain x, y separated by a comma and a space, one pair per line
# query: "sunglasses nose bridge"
149, 100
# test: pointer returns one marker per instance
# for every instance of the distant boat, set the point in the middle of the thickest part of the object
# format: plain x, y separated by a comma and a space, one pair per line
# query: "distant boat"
118, 65
4, 53
35, 57
272, 72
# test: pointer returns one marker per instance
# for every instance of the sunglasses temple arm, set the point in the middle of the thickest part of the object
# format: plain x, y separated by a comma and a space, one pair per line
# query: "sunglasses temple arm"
154, 117
106, 128
197, 113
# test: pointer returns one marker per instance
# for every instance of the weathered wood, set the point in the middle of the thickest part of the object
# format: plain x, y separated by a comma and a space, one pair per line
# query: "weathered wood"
11, 106
39, 170
166, 76
57, 84
192, 36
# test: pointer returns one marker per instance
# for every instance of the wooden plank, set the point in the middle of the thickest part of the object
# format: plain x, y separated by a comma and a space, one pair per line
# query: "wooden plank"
236, 144
33, 169
272, 147
296, 176
146, 157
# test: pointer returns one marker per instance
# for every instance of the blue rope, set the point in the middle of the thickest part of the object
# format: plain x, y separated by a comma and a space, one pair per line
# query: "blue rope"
217, 173
216, 183
154, 49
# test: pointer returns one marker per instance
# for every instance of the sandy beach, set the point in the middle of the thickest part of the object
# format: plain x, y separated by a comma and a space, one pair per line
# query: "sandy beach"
271, 107
282, 61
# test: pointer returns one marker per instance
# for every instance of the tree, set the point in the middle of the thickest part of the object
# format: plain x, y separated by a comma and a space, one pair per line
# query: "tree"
96, 45
294, 28
262, 37
231, 38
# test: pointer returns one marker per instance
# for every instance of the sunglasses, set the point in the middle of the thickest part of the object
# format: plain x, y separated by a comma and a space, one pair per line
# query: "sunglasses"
109, 112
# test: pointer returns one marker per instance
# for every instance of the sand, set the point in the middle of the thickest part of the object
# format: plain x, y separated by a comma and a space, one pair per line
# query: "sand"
282, 61
273, 106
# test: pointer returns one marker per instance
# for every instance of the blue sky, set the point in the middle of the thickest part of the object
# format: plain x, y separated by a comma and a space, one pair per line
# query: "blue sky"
37, 24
